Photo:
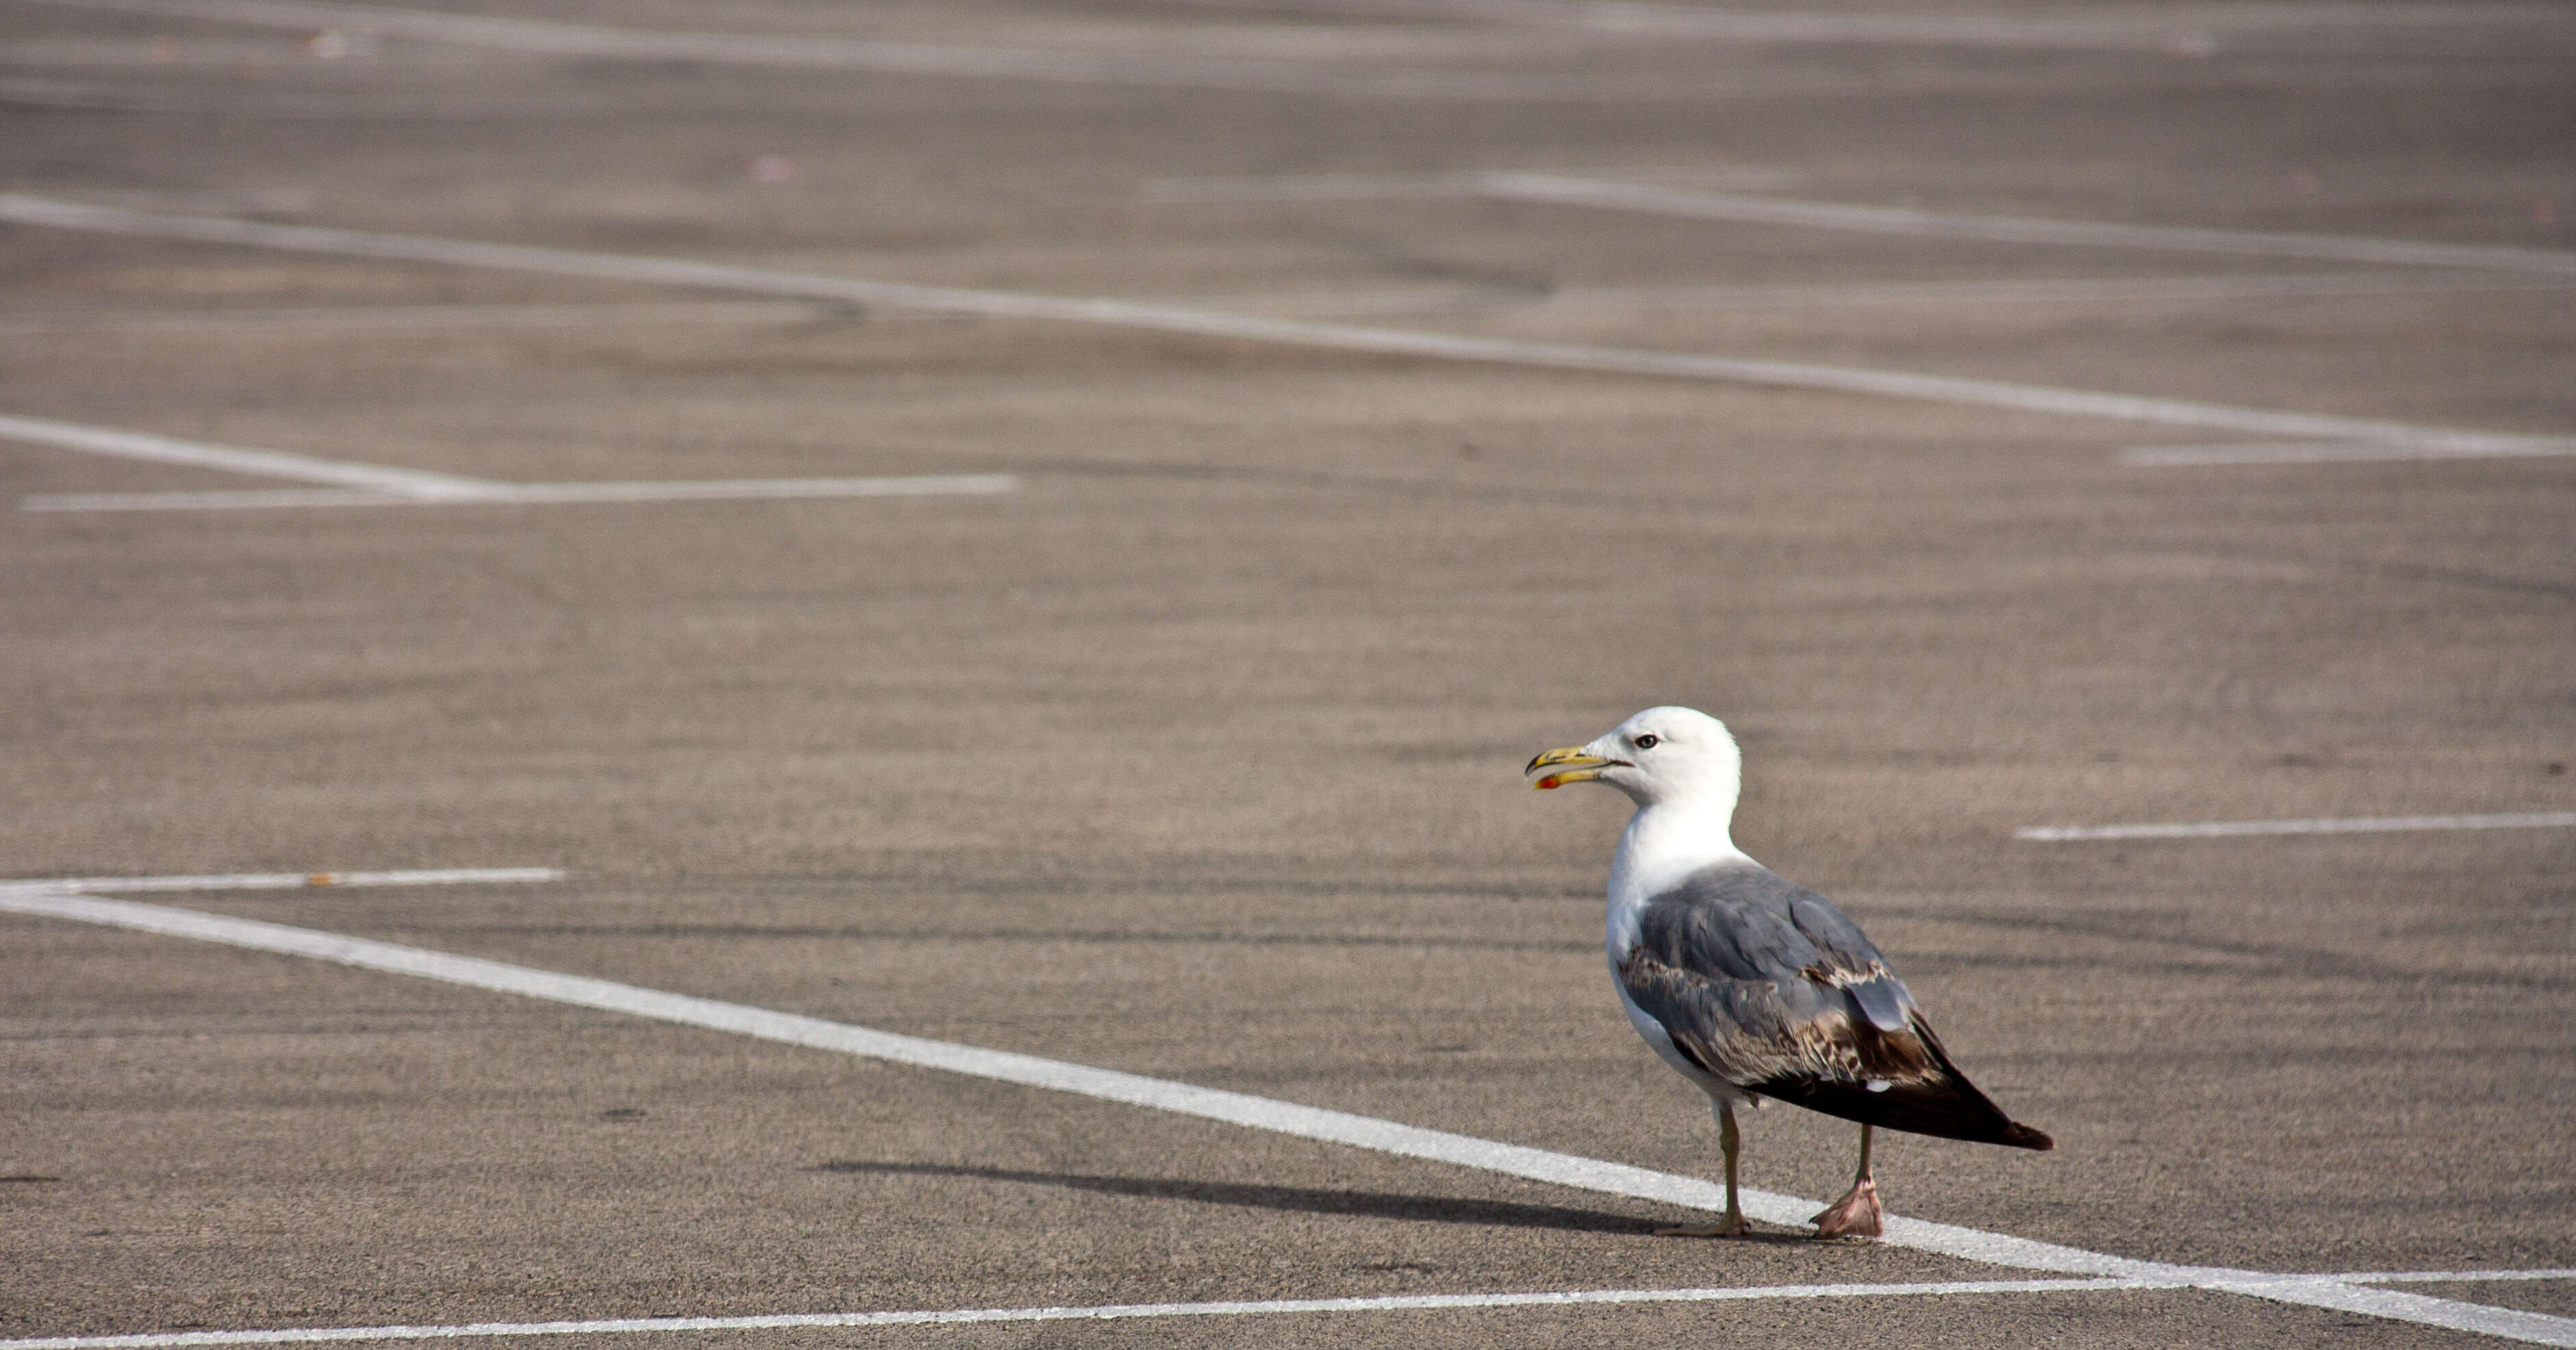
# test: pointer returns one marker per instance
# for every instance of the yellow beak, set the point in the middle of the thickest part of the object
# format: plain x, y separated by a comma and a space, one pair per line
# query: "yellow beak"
1584, 767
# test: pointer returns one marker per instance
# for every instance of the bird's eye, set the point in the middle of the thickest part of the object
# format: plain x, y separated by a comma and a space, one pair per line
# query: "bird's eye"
1649, 741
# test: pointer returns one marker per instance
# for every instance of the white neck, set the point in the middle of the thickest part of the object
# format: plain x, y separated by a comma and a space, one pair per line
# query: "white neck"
1663, 844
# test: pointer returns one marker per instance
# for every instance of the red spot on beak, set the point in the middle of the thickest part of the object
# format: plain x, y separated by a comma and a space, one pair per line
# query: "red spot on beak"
1548, 782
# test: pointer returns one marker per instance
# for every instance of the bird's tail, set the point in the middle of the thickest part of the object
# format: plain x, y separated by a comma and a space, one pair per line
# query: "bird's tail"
1941, 1103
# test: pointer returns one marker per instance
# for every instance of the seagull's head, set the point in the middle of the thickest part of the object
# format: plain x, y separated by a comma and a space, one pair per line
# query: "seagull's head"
1660, 755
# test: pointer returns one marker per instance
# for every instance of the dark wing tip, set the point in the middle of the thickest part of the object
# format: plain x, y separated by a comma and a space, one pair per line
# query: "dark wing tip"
2019, 1135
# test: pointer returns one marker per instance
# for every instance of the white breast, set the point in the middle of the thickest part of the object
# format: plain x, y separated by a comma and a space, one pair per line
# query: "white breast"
1657, 852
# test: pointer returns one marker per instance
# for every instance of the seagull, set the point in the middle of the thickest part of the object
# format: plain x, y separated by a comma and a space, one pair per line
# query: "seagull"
1750, 985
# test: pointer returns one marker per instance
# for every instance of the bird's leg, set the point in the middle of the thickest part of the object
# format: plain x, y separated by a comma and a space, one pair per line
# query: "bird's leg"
1733, 1224
1856, 1214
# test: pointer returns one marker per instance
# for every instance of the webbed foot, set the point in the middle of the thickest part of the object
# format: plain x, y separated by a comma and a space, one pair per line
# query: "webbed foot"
1855, 1215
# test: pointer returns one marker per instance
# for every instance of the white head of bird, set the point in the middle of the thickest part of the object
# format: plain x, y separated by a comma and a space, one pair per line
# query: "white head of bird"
1680, 759
1680, 766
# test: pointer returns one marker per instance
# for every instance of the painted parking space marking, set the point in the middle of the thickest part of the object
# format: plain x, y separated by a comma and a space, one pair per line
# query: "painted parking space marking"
274, 881
412, 318
1736, 208
1433, 299
2347, 452
1173, 319
1340, 187
2198, 31
2232, 829
385, 483
2090, 292
1571, 1298
2186, 35
1115, 1312
374, 485
549, 494
2455, 1276
826, 53
61, 901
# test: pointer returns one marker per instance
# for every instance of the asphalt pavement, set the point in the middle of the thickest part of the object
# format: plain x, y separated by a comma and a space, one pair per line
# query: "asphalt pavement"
1195, 754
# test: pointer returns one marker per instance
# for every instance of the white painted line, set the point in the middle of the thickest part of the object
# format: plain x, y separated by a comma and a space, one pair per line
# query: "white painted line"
1701, 204
2349, 452
1115, 1312
2008, 229
2095, 290
849, 54
1165, 318
378, 486
2356, 825
2455, 1276
1128, 1311
912, 485
2090, 292
1337, 187
220, 501
401, 483
279, 881
412, 318
1311, 187
787, 1028
533, 494
2193, 31
1416, 299
292, 201
1261, 1113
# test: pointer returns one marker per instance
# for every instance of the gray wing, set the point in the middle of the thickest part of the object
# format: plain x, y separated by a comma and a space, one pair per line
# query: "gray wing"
1767, 985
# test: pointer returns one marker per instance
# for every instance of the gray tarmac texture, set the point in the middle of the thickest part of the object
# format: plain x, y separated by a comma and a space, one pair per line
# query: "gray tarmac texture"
1197, 756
